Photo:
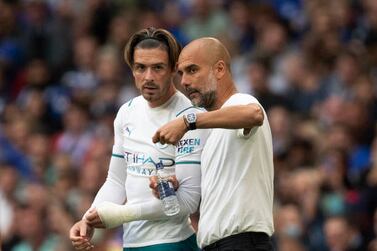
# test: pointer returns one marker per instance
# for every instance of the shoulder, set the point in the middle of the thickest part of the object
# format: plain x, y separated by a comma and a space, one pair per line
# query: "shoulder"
241, 99
189, 109
128, 108
131, 104
185, 106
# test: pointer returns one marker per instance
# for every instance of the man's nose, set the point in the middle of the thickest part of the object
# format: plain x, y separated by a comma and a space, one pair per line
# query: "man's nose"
149, 74
185, 81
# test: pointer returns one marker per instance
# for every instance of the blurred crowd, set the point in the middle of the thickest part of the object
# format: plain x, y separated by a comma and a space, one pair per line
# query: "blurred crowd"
311, 63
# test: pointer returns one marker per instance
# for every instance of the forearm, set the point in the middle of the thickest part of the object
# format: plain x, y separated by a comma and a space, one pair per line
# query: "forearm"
113, 215
232, 117
188, 195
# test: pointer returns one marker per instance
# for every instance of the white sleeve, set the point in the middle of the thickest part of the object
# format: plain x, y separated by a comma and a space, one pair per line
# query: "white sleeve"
113, 190
245, 99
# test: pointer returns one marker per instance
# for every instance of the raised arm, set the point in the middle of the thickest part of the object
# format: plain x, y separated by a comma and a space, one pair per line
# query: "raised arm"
230, 117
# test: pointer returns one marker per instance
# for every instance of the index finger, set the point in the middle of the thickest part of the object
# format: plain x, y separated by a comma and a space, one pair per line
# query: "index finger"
74, 234
173, 179
156, 137
76, 238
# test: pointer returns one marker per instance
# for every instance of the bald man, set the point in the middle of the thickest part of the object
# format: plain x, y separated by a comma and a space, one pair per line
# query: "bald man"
237, 166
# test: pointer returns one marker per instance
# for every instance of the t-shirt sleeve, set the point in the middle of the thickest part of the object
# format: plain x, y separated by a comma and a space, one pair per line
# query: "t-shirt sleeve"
245, 99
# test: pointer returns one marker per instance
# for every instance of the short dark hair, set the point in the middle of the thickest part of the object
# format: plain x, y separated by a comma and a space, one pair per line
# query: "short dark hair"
151, 38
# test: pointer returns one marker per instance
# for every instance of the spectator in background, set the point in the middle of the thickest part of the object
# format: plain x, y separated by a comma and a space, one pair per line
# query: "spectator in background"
281, 121
348, 68
340, 235
77, 136
33, 236
258, 70
241, 31
173, 20
207, 19
82, 80
290, 229
305, 90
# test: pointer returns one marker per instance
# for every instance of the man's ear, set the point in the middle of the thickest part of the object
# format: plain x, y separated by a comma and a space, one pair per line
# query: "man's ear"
220, 69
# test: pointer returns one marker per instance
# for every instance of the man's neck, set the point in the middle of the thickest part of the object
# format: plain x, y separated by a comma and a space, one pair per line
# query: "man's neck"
224, 92
164, 99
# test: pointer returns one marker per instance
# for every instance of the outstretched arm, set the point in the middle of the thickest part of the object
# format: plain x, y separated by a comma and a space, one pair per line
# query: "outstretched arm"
231, 117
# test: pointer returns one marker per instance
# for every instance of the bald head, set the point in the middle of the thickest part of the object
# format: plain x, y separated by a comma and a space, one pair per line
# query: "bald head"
204, 66
210, 49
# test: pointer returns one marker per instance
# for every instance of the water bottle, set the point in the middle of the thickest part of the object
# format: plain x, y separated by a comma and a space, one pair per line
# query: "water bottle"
167, 193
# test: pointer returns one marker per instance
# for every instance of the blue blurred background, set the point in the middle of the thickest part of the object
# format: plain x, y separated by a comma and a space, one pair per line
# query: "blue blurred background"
311, 63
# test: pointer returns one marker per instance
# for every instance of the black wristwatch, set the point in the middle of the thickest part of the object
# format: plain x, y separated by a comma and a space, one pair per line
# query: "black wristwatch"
190, 120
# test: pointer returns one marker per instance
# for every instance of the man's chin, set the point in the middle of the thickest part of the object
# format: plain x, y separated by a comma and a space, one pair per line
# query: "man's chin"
196, 102
148, 97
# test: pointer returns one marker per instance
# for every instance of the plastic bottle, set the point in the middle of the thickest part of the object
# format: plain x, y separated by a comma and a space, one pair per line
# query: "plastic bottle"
167, 193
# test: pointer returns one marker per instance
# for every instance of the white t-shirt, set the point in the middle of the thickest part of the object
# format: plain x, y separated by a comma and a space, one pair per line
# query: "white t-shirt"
237, 180
134, 127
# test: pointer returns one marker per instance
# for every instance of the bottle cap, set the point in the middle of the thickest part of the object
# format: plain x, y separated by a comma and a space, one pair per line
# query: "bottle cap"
159, 166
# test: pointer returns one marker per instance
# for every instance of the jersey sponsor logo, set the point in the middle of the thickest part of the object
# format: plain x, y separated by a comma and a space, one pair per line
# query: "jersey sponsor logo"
138, 170
144, 164
138, 158
187, 145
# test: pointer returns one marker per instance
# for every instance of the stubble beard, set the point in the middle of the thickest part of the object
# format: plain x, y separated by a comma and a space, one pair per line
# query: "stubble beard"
207, 99
156, 94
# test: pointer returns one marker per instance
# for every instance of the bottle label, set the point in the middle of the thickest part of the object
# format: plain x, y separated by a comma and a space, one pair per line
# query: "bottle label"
165, 189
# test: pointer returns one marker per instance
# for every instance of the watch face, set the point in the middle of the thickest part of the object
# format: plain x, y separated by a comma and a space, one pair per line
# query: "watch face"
191, 118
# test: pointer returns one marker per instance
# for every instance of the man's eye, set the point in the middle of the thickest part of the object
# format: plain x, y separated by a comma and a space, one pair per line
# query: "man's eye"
158, 68
192, 70
139, 67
